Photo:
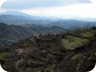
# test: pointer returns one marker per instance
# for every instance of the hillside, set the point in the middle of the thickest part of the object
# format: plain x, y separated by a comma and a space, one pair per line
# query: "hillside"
74, 51
13, 33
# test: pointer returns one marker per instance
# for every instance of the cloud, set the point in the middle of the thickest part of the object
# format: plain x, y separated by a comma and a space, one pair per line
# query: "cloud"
85, 10
22, 4
2, 1
93, 1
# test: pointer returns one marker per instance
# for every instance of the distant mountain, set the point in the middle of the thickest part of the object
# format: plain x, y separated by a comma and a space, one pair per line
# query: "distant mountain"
17, 18
17, 13
72, 23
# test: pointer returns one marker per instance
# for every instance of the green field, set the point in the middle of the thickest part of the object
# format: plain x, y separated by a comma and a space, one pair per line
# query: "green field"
4, 55
73, 40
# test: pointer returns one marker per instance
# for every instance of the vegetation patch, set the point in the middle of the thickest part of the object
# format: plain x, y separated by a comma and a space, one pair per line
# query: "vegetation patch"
71, 42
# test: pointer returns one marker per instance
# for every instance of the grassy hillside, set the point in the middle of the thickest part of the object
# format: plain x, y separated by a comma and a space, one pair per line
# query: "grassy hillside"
73, 40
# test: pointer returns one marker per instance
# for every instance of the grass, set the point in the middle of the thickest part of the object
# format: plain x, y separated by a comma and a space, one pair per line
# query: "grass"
77, 56
4, 55
32, 70
71, 42
87, 34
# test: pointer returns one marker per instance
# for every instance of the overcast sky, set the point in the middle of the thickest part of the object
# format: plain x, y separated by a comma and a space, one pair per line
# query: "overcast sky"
52, 8
22, 4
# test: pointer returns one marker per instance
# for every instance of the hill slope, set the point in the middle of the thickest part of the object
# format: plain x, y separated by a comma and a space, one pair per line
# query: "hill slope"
12, 33
47, 53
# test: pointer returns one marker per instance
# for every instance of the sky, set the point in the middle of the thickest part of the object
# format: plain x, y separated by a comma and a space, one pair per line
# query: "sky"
52, 8
22, 4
